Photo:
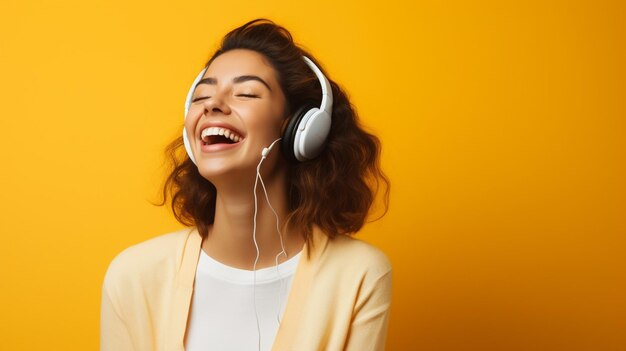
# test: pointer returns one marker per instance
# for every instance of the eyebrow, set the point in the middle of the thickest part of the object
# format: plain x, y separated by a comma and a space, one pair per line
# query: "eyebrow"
236, 80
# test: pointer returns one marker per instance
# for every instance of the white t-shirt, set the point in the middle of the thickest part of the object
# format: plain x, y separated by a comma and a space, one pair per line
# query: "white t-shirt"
223, 314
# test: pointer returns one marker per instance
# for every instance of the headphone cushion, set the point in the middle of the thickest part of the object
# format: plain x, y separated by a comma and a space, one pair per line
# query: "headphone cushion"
289, 134
188, 146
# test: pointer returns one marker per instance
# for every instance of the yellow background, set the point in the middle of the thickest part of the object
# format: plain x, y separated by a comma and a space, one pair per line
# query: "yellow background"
503, 127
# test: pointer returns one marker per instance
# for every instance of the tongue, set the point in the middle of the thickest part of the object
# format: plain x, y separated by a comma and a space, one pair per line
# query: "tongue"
219, 139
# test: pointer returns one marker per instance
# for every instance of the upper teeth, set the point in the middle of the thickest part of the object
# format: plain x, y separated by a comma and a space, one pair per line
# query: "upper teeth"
220, 131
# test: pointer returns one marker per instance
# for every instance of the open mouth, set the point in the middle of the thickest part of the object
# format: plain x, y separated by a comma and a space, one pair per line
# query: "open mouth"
219, 135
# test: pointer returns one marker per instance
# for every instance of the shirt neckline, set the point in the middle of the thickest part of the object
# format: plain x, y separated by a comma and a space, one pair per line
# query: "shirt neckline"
207, 265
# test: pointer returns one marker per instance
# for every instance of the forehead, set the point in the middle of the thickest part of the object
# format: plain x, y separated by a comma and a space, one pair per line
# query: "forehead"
240, 62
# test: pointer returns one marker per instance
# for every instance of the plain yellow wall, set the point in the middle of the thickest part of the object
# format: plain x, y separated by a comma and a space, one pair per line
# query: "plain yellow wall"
503, 127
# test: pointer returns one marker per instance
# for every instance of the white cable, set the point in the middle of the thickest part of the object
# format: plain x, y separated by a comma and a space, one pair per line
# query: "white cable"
282, 246
258, 177
256, 260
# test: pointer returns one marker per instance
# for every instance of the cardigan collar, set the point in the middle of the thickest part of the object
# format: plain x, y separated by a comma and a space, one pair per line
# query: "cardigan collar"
187, 265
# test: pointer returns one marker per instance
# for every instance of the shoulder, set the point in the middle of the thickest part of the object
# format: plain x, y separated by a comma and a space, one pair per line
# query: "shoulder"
357, 255
158, 254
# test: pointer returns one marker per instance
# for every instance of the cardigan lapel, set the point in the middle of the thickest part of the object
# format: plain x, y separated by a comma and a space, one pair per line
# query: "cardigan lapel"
188, 262
303, 278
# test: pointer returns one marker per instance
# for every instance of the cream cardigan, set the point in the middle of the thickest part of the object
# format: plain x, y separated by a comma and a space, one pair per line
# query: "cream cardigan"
339, 299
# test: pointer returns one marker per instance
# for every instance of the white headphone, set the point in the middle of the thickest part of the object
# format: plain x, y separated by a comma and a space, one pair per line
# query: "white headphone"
307, 131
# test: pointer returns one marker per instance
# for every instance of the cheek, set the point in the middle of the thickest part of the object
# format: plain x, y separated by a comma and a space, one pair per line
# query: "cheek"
264, 118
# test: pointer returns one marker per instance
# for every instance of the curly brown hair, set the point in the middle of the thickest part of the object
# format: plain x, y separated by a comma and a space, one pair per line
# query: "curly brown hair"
335, 191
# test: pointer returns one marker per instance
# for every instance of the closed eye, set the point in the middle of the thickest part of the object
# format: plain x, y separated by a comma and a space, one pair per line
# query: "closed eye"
200, 98
248, 95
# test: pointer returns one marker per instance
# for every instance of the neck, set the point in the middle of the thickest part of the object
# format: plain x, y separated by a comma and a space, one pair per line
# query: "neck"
230, 239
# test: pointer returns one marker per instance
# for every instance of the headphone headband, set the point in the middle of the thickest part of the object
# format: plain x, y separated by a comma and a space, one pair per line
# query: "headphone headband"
327, 99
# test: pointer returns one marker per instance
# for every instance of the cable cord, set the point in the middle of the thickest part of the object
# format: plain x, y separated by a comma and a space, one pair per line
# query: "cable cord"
282, 246
258, 177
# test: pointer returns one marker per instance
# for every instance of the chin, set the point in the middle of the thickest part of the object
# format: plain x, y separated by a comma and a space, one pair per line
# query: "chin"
220, 172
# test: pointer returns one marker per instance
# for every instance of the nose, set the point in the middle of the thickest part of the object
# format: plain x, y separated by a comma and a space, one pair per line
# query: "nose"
216, 105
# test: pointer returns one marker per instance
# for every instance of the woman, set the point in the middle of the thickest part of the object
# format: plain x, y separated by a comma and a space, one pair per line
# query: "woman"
277, 175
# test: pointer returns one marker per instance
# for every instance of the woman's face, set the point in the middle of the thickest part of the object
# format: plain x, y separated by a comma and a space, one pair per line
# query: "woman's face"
237, 110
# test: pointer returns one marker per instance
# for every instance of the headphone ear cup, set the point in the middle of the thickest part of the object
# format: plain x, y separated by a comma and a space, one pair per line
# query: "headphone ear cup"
188, 146
289, 134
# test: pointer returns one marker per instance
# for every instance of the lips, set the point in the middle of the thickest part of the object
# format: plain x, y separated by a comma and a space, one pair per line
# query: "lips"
219, 135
